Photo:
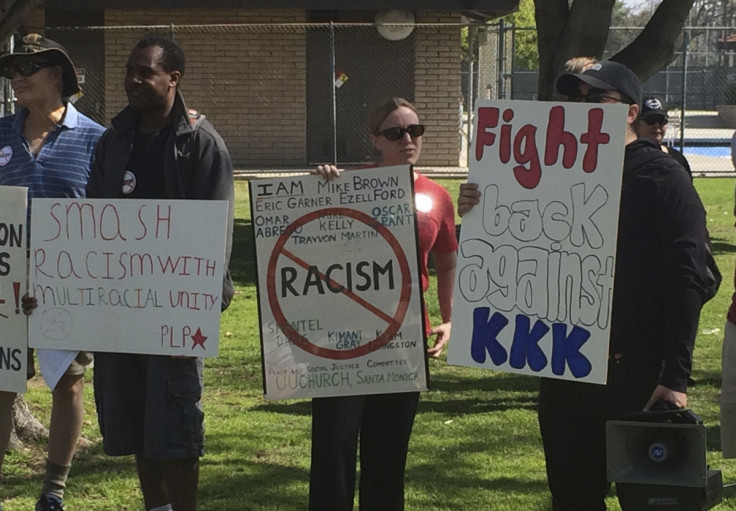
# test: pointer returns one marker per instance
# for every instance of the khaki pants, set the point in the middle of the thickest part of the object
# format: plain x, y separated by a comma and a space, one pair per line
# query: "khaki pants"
78, 366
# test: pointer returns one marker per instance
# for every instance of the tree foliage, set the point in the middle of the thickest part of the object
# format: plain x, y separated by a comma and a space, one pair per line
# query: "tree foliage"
526, 54
622, 31
712, 12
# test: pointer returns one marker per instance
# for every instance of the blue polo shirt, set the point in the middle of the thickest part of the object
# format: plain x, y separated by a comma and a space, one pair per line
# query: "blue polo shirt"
61, 167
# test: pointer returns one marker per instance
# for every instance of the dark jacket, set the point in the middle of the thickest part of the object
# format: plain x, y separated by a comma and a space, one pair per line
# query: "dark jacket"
197, 166
677, 155
660, 281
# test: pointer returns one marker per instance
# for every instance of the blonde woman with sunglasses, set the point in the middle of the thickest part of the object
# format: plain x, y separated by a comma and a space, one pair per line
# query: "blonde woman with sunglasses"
383, 422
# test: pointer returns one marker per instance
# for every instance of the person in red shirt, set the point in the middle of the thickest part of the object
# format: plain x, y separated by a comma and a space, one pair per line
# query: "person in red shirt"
383, 422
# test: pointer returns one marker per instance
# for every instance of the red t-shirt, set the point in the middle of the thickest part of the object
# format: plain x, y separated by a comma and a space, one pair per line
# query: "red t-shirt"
435, 222
435, 226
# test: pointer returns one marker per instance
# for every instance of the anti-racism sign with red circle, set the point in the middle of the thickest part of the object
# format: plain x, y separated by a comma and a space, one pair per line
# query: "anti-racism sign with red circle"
339, 293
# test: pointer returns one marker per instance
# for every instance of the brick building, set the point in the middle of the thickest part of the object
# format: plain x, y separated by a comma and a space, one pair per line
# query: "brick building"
264, 71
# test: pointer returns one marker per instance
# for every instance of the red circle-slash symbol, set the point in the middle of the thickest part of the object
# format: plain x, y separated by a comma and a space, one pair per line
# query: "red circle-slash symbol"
393, 321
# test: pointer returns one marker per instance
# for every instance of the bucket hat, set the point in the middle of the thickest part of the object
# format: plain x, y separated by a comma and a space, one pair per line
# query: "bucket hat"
36, 44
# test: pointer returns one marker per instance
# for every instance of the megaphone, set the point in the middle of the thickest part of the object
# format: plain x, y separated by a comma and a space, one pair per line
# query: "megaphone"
658, 461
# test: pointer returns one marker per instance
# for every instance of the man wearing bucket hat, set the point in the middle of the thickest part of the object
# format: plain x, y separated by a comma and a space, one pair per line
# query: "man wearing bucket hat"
48, 147
659, 286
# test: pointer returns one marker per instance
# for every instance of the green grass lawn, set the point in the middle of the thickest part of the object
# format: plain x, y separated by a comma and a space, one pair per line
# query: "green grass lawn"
475, 444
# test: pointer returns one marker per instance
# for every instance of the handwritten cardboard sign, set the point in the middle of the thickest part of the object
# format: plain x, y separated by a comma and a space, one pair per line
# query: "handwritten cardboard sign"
13, 248
129, 276
536, 260
338, 284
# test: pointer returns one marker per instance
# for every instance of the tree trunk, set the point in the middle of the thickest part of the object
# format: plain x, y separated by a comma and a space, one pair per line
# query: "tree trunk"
12, 14
580, 29
655, 46
26, 427
577, 30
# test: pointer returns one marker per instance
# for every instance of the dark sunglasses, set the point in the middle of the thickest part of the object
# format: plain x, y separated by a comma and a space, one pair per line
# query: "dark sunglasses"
594, 96
652, 120
396, 133
25, 68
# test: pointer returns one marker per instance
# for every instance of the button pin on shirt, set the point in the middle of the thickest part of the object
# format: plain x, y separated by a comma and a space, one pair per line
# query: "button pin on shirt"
6, 153
129, 182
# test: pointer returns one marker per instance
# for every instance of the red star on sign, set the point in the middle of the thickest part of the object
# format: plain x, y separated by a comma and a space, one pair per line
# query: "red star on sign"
198, 339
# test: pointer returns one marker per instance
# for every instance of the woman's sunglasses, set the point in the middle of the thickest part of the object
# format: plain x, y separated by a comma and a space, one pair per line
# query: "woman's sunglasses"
396, 133
25, 68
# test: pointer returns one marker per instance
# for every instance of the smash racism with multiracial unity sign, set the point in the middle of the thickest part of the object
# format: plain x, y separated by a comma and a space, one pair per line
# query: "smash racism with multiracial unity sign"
128, 275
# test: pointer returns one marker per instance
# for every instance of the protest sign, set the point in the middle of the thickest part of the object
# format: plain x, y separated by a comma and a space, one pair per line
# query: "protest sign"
128, 275
338, 285
13, 264
536, 260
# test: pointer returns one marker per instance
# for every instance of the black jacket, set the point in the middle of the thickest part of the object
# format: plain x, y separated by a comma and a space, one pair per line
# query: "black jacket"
660, 280
197, 166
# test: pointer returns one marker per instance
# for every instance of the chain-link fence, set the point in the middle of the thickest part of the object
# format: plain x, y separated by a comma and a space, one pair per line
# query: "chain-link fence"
290, 95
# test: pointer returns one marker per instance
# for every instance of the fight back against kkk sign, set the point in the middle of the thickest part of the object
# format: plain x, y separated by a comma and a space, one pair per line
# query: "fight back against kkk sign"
13, 248
127, 275
338, 285
536, 259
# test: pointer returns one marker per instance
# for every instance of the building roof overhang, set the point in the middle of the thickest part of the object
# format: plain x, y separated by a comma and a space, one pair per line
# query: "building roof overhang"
479, 10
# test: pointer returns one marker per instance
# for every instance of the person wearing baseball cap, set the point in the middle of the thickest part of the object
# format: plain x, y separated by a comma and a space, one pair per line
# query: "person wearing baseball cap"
47, 146
660, 269
660, 284
652, 124
599, 78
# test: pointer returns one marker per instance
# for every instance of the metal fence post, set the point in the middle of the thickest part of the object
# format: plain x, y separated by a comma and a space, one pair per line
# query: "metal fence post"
333, 90
8, 105
501, 93
685, 42
471, 84
513, 58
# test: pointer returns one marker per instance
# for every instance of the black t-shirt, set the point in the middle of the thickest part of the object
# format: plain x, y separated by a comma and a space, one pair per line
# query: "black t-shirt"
144, 174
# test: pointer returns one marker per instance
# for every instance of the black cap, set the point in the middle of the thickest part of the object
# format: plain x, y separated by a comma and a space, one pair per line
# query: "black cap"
607, 75
35, 44
653, 107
